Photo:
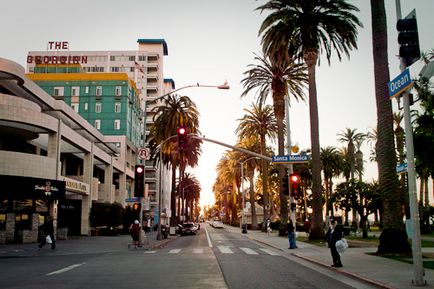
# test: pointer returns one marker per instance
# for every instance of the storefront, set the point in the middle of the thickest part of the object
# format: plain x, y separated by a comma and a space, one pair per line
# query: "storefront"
25, 203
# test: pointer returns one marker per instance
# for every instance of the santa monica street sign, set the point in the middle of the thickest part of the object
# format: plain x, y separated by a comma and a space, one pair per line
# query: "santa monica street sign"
290, 159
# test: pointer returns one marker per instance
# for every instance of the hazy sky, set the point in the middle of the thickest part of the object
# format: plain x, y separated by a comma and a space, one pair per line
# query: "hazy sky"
210, 41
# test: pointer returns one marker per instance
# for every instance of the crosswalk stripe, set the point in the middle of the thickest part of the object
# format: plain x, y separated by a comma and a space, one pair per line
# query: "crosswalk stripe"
150, 252
174, 251
269, 252
225, 250
198, 251
249, 251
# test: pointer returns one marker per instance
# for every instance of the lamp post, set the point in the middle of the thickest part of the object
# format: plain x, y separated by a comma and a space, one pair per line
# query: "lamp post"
243, 225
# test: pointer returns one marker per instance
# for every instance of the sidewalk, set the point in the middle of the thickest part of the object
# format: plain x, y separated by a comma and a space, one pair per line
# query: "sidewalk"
379, 271
80, 245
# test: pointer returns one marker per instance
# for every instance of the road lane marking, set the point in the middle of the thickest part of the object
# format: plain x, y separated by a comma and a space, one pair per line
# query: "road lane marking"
174, 251
65, 269
225, 250
269, 252
198, 251
249, 251
150, 252
208, 238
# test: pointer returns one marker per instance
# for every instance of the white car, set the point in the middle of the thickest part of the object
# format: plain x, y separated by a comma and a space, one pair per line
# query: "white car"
217, 224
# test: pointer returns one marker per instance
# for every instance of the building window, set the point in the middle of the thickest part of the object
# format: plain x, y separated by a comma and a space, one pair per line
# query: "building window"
117, 107
97, 123
86, 89
142, 57
132, 58
75, 91
117, 124
75, 106
86, 106
98, 91
114, 69
118, 90
98, 107
112, 58
59, 91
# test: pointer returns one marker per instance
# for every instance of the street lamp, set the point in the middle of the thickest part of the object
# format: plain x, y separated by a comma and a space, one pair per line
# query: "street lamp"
243, 225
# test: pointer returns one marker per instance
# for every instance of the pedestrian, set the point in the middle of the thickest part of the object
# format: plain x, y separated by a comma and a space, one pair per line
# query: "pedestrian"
135, 233
48, 234
334, 233
268, 227
291, 235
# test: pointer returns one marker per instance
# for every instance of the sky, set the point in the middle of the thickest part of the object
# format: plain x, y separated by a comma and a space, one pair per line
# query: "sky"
210, 42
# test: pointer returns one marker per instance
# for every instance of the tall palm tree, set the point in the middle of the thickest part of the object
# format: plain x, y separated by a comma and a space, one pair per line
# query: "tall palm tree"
278, 76
393, 238
351, 137
307, 28
174, 111
260, 121
331, 164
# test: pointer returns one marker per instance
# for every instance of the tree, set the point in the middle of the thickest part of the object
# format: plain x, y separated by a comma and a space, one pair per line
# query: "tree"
331, 163
308, 28
280, 77
174, 111
393, 238
259, 121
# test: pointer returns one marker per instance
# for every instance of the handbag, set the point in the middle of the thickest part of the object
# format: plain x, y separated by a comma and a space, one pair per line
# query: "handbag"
341, 245
48, 239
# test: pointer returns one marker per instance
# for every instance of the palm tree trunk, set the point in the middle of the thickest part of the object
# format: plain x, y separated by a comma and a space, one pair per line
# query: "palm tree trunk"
310, 57
252, 202
173, 219
393, 238
265, 196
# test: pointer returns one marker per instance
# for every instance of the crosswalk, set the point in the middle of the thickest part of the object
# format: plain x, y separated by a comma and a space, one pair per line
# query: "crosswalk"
219, 249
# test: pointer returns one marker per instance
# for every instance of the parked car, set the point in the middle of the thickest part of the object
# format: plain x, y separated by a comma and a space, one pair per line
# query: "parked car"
217, 224
190, 228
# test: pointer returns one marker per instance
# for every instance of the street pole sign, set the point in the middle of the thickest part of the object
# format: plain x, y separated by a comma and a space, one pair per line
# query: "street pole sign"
285, 159
144, 154
402, 168
400, 83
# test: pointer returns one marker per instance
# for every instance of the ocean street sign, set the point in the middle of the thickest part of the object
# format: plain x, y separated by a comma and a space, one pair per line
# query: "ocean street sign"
290, 159
400, 84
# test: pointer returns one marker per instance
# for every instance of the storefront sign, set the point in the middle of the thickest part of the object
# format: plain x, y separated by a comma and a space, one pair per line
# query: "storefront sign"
57, 59
75, 186
31, 188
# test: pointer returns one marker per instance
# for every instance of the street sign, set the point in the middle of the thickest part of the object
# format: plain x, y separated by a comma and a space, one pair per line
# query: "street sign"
132, 200
144, 153
400, 84
290, 159
402, 168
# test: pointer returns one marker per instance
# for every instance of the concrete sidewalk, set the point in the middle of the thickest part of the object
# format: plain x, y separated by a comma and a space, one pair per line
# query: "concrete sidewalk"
81, 245
358, 263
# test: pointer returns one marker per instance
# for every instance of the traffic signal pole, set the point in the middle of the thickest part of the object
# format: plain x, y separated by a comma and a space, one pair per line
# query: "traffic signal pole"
290, 167
414, 210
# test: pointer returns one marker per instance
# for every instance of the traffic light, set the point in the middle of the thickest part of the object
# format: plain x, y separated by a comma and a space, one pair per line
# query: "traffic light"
139, 181
182, 137
294, 181
285, 188
408, 39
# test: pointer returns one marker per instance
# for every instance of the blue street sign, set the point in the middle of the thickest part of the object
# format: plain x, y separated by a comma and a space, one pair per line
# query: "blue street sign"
290, 159
132, 200
402, 168
400, 84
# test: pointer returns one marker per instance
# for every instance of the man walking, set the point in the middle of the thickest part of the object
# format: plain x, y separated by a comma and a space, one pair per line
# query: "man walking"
334, 234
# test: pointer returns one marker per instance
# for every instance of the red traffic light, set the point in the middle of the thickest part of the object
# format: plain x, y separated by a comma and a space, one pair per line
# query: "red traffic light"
182, 130
139, 169
294, 182
295, 178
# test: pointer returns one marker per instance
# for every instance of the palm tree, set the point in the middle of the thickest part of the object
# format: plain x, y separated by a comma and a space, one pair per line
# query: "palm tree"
393, 238
277, 76
259, 121
306, 28
350, 137
175, 111
331, 164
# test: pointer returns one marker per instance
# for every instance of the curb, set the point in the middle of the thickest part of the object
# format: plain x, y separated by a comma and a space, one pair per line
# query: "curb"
353, 275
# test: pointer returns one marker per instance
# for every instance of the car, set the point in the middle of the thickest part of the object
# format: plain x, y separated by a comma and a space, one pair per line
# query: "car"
217, 225
188, 229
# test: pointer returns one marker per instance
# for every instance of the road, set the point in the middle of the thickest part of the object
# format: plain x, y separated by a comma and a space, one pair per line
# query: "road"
214, 258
